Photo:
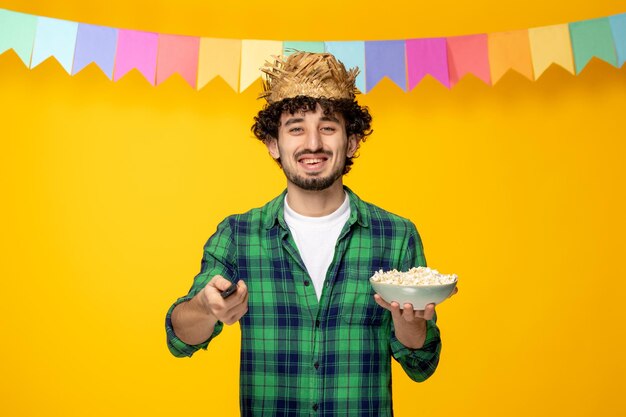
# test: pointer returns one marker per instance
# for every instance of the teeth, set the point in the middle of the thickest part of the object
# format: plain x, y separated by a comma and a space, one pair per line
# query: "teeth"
311, 161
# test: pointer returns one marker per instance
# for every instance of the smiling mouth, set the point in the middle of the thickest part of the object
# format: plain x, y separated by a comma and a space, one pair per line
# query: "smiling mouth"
312, 161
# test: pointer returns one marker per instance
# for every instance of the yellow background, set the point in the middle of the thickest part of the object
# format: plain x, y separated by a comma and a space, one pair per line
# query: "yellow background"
109, 190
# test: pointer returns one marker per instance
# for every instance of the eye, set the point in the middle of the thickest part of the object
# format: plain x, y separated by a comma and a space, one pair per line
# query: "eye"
296, 130
329, 129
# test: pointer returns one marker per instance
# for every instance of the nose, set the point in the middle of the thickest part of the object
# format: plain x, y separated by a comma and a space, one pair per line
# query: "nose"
314, 140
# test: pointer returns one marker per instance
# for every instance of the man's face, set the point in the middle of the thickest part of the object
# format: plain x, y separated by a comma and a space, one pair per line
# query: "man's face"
312, 148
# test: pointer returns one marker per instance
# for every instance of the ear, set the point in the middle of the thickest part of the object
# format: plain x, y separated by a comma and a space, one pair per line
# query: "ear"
272, 147
353, 145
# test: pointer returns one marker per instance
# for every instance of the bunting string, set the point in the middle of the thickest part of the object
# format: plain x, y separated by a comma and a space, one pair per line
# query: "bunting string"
198, 60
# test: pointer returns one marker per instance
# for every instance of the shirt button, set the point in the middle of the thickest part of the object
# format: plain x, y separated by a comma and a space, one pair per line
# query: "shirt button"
315, 407
306, 283
317, 323
316, 364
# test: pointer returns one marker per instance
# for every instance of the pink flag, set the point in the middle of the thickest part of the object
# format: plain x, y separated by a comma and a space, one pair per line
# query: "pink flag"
178, 54
427, 56
136, 50
468, 54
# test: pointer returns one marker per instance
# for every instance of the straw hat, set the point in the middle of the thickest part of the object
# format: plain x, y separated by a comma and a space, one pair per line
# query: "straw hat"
308, 74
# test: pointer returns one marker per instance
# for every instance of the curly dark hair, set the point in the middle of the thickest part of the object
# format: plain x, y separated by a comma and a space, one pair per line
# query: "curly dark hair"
357, 118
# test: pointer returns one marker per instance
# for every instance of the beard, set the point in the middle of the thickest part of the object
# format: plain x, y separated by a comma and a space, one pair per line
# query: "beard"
313, 182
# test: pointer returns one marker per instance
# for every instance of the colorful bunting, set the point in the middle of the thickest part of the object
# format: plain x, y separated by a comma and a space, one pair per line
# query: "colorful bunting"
509, 50
351, 54
385, 59
468, 55
618, 29
178, 54
17, 32
253, 56
550, 45
55, 38
219, 57
405, 62
592, 38
95, 44
427, 56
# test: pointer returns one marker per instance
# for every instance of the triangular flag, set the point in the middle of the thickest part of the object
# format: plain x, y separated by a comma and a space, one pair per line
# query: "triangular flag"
178, 54
219, 57
427, 56
138, 50
17, 32
55, 38
592, 38
351, 54
509, 50
385, 59
468, 55
550, 45
289, 47
95, 44
254, 54
618, 29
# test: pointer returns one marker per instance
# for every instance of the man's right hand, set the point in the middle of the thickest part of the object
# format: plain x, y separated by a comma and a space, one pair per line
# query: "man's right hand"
194, 321
228, 310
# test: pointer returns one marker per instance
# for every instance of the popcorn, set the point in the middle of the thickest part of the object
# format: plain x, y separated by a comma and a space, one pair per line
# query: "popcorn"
415, 276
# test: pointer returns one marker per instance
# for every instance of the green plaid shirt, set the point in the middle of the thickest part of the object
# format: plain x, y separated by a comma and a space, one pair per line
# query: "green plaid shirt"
301, 357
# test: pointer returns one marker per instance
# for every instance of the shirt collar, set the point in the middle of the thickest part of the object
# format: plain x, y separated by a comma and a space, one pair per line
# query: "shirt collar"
275, 211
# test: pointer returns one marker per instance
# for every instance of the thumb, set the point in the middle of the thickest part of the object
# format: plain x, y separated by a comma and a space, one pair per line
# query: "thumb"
220, 282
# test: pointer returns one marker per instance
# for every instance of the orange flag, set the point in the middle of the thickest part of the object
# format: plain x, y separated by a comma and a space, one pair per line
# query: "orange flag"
219, 57
510, 50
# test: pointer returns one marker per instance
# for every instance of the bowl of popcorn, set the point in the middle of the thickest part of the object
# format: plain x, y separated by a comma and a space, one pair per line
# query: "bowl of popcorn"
418, 286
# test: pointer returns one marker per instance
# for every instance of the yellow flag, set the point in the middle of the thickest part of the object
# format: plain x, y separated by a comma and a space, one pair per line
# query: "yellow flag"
551, 44
219, 57
253, 55
509, 50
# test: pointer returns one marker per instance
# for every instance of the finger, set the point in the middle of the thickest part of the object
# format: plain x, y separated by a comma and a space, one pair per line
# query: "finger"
396, 313
379, 300
220, 282
408, 313
456, 289
236, 297
236, 313
429, 312
242, 291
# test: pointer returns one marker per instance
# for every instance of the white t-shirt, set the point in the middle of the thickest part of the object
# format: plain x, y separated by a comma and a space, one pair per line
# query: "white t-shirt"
316, 238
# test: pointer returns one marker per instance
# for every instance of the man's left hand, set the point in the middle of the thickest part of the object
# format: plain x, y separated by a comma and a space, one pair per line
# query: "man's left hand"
406, 312
409, 324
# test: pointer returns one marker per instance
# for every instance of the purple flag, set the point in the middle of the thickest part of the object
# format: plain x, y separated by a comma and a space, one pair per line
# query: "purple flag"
384, 58
427, 56
95, 44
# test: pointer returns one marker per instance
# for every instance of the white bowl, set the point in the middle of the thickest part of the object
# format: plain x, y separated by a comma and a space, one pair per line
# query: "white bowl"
417, 295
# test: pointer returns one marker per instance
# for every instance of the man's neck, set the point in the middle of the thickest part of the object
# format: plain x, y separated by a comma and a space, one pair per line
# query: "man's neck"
315, 203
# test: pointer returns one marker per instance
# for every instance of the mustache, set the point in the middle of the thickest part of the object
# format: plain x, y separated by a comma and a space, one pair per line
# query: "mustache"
309, 151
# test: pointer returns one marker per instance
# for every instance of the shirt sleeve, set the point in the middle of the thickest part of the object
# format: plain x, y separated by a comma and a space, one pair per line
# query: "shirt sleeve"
419, 364
218, 259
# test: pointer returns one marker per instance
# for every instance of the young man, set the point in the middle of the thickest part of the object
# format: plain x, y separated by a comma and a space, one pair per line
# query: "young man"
315, 339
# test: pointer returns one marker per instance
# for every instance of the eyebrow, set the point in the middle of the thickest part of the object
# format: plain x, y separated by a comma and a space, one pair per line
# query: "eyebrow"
294, 120
329, 119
